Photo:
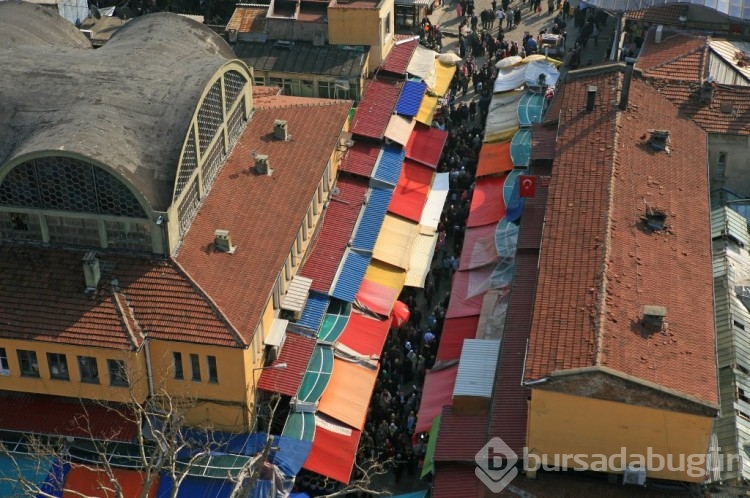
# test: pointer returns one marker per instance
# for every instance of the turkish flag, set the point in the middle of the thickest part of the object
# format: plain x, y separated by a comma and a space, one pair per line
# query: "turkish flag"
528, 185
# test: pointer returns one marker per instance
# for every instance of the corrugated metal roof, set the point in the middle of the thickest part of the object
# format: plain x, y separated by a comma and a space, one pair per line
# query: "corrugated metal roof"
312, 315
728, 223
460, 437
476, 368
375, 109
371, 220
426, 145
454, 480
421, 258
543, 138
304, 58
361, 158
411, 98
296, 353
728, 50
396, 240
353, 269
332, 238
388, 168
398, 58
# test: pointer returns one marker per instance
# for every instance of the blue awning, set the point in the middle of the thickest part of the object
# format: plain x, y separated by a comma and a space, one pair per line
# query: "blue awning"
520, 148
388, 169
312, 315
195, 487
411, 98
371, 220
530, 108
351, 273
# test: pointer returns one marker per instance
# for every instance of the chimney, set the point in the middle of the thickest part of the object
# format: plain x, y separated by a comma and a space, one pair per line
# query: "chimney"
91, 270
590, 97
625, 94
659, 33
261, 165
281, 130
223, 242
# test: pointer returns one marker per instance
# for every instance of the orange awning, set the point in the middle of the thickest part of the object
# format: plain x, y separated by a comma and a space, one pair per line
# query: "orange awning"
348, 393
82, 481
494, 158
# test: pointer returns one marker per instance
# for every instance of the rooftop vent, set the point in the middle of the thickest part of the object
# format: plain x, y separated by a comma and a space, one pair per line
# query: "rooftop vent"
590, 97
223, 242
655, 219
653, 317
659, 33
232, 35
261, 165
91, 270
281, 130
285, 44
627, 79
727, 107
707, 90
659, 140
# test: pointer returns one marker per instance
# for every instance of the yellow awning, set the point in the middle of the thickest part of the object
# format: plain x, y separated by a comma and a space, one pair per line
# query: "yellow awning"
427, 110
421, 257
444, 76
385, 274
395, 241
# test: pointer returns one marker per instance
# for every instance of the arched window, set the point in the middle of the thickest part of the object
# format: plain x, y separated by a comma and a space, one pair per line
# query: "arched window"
67, 184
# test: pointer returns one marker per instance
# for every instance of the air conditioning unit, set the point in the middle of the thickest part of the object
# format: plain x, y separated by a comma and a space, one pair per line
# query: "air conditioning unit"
303, 406
634, 474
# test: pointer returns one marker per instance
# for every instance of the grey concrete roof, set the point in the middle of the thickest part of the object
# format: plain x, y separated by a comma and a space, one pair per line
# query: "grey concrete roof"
126, 105
303, 58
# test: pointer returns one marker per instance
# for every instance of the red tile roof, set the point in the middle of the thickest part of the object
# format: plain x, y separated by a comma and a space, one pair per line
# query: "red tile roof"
44, 414
679, 56
543, 138
331, 241
376, 107
599, 266
360, 159
296, 353
460, 436
42, 298
262, 213
399, 57
426, 145
265, 91
454, 480
661, 14
246, 19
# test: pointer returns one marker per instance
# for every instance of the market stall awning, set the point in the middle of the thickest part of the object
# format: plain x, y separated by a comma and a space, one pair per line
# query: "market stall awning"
502, 117
456, 479
334, 320
476, 368
388, 167
360, 158
427, 110
510, 78
348, 393
35, 470
421, 258
375, 297
395, 241
429, 462
376, 107
192, 487
399, 129
479, 247
426, 145
411, 98
387, 275
412, 190
520, 147
399, 56
295, 353
436, 393
300, 425
433, 208
334, 449
530, 108
487, 203
318, 375
422, 65
365, 335
455, 330
312, 314
443, 76
371, 220
85, 481
460, 437
467, 291
494, 158
352, 271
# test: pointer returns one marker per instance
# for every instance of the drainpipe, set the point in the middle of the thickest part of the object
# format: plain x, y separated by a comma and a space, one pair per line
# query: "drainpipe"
149, 371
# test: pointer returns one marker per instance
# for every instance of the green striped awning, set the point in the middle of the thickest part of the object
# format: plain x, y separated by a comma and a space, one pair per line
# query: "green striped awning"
334, 321
300, 426
317, 376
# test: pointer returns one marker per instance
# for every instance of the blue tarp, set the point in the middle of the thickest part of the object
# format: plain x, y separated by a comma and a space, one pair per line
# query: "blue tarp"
388, 169
34, 470
371, 221
352, 272
195, 487
411, 98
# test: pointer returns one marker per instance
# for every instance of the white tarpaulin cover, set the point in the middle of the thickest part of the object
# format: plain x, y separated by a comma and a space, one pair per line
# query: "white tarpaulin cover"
534, 69
73, 10
422, 65
435, 202
510, 78
502, 118
399, 129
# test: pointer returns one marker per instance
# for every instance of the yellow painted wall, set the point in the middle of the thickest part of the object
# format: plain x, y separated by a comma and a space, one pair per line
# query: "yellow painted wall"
350, 26
562, 424
135, 365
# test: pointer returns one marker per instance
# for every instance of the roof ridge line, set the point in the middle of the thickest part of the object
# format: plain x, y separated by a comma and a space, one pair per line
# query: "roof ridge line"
680, 56
126, 312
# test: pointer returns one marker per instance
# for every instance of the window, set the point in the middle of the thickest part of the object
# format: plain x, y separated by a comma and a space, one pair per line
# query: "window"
721, 166
179, 374
88, 369
387, 24
28, 363
195, 367
4, 366
325, 89
58, 366
19, 221
259, 80
213, 372
117, 374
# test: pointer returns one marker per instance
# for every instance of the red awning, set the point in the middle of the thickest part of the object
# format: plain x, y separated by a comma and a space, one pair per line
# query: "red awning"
376, 297
411, 191
487, 203
455, 330
468, 290
479, 247
436, 393
295, 352
426, 145
494, 158
365, 335
334, 450
82, 481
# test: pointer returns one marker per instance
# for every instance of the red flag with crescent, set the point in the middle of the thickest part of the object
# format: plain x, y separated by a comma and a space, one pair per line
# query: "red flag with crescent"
528, 185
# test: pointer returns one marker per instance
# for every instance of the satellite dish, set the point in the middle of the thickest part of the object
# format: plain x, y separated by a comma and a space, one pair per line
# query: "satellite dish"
95, 12
124, 13
335, 191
